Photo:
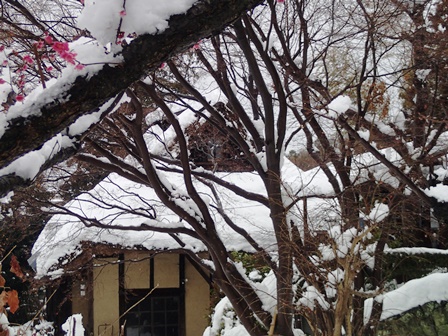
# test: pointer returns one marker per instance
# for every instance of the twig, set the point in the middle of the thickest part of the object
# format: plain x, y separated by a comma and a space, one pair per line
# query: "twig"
41, 308
122, 328
39, 66
129, 309
6, 256
274, 320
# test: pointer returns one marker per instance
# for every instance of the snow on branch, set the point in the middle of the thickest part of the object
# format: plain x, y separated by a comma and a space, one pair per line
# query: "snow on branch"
86, 93
41, 119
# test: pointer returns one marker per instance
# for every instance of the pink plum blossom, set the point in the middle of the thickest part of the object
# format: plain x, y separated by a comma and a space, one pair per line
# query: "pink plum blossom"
48, 39
60, 47
69, 57
40, 45
28, 59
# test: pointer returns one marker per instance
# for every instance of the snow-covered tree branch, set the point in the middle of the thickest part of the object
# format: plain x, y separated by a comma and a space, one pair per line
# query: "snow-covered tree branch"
86, 91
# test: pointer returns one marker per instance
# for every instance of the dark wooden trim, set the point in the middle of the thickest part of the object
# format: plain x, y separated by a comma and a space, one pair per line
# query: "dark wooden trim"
151, 272
121, 289
182, 280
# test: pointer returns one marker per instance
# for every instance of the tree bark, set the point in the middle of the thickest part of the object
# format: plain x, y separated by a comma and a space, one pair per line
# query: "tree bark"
144, 54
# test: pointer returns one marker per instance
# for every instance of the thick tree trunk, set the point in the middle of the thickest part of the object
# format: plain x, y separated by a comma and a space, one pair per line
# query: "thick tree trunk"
145, 53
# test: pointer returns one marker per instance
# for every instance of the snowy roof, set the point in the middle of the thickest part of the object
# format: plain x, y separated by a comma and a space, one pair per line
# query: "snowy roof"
119, 202
64, 234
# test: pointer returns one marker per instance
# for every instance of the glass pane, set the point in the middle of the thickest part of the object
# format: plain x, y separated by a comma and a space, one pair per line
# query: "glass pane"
172, 317
158, 304
145, 318
172, 303
160, 331
132, 331
132, 319
174, 330
145, 305
161, 320
145, 331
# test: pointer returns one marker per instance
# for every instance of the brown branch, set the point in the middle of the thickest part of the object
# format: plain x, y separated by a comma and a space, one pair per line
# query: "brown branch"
392, 168
234, 188
145, 53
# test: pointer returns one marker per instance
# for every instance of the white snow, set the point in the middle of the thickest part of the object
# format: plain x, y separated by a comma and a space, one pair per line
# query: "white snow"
4, 321
73, 326
422, 74
311, 297
340, 104
224, 321
439, 192
104, 18
415, 250
224, 318
89, 53
36, 327
28, 166
379, 212
412, 294
83, 123
64, 234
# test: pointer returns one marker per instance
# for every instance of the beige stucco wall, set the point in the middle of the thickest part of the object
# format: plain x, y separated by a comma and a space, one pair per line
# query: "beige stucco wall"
105, 297
197, 301
166, 271
137, 270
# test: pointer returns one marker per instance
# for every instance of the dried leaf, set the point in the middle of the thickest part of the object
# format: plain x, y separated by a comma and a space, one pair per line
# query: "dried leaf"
13, 301
3, 303
2, 281
3, 300
15, 267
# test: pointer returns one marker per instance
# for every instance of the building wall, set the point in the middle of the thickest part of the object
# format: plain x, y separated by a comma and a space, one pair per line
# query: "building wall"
81, 302
137, 270
106, 297
101, 301
197, 301
166, 271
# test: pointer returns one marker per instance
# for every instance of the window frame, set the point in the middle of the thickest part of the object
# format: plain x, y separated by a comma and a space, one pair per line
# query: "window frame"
148, 303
